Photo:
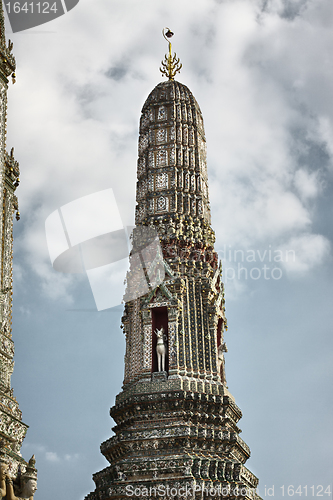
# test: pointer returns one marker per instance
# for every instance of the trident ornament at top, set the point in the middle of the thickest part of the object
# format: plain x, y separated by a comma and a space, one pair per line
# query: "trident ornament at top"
170, 65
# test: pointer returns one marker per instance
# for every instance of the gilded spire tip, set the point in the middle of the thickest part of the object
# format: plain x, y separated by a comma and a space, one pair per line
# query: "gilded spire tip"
171, 64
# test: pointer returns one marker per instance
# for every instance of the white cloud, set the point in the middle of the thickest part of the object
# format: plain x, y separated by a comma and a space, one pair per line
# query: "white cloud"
25, 310
308, 184
51, 456
263, 83
304, 252
18, 273
71, 458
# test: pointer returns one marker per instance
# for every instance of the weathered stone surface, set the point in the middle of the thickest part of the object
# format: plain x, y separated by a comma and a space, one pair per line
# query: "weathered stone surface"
12, 429
177, 428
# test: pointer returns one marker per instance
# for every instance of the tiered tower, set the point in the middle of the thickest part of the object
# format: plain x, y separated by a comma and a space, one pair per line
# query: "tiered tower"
176, 429
12, 429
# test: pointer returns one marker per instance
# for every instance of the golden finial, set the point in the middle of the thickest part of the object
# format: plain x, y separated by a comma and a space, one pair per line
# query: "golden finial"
170, 65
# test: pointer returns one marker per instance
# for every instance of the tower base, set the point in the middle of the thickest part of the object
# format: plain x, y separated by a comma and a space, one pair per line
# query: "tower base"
172, 442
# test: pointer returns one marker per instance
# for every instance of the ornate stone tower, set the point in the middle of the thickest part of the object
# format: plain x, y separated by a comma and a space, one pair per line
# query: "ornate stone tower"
176, 430
12, 429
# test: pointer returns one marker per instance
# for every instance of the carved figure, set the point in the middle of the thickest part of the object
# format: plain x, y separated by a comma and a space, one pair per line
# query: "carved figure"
121, 475
4, 326
160, 349
3, 472
28, 483
29, 488
221, 361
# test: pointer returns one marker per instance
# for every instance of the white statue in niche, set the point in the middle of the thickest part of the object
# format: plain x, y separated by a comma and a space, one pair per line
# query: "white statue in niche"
160, 349
221, 362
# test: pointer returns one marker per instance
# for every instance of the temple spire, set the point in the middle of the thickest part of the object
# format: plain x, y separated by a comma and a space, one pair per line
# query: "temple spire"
171, 64
176, 421
2, 26
17, 472
8, 60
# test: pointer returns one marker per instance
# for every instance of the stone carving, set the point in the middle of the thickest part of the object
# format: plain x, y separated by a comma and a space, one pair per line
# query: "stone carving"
3, 473
160, 349
12, 429
147, 346
178, 428
28, 490
172, 341
4, 326
221, 361
27, 483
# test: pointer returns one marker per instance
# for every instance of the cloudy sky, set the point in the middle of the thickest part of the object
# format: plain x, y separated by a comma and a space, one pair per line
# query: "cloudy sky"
262, 73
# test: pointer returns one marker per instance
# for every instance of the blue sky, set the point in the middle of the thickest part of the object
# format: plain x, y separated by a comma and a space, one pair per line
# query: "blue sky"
262, 74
